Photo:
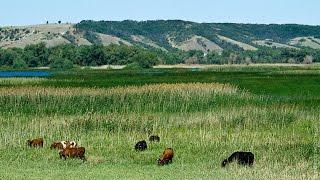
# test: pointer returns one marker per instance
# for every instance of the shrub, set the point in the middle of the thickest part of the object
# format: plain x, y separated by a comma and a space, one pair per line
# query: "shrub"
133, 66
60, 63
19, 64
145, 59
308, 60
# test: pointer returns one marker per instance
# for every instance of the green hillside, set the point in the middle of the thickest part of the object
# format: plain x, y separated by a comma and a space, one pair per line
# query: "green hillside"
147, 43
179, 31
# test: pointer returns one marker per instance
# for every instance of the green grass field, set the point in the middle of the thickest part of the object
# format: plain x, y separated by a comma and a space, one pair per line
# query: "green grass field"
204, 115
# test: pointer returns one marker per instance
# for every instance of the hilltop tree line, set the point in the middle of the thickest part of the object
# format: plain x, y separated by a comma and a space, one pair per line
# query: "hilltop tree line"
68, 56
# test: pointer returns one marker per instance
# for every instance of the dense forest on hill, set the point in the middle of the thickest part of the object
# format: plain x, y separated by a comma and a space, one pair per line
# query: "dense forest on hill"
277, 32
147, 43
160, 30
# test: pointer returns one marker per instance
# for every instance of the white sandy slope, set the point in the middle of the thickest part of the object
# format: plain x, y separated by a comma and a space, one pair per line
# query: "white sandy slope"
244, 46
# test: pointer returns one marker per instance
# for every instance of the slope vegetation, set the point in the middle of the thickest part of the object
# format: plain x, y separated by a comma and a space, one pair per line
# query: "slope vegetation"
167, 35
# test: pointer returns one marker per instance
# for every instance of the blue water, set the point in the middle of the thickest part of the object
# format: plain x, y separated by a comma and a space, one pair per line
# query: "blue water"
6, 74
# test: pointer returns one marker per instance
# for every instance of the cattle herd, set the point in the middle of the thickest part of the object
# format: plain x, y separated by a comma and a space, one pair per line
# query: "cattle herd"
70, 149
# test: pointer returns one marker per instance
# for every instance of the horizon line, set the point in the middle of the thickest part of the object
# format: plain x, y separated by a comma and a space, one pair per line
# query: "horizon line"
203, 22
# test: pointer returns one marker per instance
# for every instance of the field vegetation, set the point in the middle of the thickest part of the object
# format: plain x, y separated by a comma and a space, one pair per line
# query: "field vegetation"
204, 115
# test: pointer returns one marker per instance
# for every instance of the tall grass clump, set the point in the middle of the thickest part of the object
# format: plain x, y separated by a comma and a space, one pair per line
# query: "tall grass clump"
149, 98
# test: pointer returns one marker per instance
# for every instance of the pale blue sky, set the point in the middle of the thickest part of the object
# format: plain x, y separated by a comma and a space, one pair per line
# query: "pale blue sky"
22, 12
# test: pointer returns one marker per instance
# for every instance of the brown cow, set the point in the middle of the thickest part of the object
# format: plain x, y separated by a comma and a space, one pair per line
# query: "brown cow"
35, 142
56, 145
73, 153
166, 157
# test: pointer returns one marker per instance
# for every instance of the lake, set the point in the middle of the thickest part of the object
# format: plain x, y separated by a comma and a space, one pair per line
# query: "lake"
7, 74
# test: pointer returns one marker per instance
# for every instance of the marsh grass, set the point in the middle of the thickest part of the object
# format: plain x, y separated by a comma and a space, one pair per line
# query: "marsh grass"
20, 81
203, 122
149, 98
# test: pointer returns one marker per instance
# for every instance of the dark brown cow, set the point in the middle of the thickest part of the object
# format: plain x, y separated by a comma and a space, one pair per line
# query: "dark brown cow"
166, 157
35, 142
56, 145
154, 138
73, 153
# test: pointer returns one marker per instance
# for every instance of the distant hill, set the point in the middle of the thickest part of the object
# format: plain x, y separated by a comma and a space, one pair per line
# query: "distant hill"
165, 35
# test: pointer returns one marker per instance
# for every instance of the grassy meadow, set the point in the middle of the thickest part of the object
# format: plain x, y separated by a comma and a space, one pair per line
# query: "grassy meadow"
203, 114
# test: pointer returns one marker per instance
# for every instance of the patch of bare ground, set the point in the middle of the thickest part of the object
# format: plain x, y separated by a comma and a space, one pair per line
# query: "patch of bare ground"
196, 43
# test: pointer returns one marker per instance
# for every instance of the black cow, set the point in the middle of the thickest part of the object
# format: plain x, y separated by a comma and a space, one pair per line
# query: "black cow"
154, 138
243, 158
141, 146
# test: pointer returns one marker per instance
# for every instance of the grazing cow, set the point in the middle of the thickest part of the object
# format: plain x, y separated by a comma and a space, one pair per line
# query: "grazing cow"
63, 144
141, 146
154, 138
57, 145
166, 157
72, 144
243, 158
35, 142
73, 153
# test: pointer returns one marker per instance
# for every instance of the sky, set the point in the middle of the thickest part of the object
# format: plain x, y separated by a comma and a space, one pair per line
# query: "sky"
29, 12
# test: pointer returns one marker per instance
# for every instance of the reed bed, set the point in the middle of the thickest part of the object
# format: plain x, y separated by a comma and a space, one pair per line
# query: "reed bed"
185, 88
148, 98
21, 81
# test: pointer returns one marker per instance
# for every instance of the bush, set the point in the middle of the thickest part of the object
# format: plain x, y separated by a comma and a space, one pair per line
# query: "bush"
60, 63
145, 59
19, 64
133, 66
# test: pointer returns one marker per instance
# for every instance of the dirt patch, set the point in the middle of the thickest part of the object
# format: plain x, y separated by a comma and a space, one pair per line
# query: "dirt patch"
239, 44
149, 42
269, 43
306, 42
196, 43
108, 40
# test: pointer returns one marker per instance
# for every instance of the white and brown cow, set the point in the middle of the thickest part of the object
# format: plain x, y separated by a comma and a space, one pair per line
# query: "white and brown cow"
63, 145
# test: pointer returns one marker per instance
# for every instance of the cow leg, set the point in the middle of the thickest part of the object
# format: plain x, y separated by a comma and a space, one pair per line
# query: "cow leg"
83, 158
63, 157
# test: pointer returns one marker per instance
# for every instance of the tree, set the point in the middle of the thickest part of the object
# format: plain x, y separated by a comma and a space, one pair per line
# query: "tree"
59, 22
19, 63
248, 60
8, 56
145, 59
98, 55
67, 51
291, 61
308, 59
191, 60
214, 58
40, 54
60, 63
233, 58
